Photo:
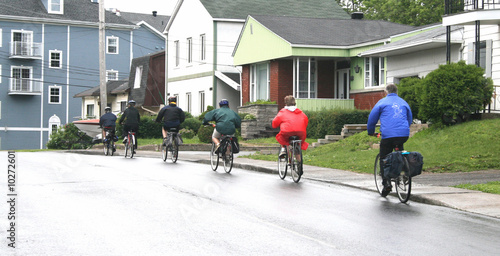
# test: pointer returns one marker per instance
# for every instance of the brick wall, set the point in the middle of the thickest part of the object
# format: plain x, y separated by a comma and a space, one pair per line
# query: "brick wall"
367, 100
281, 81
245, 84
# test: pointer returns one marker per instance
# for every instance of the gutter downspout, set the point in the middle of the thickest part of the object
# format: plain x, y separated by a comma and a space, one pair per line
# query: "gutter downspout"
214, 84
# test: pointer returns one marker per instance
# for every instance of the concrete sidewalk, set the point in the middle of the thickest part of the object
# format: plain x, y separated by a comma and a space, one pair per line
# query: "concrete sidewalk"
423, 187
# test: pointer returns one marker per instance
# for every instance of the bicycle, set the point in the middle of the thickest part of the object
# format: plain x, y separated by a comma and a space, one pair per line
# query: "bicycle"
402, 182
109, 142
225, 152
292, 159
130, 145
171, 144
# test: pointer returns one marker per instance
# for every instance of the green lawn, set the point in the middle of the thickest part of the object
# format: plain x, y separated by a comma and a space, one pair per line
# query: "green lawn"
490, 187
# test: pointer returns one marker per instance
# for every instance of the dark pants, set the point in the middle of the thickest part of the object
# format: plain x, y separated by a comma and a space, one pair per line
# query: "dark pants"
132, 128
388, 145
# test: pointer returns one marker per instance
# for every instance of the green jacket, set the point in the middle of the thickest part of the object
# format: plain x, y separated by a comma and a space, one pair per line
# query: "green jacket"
226, 120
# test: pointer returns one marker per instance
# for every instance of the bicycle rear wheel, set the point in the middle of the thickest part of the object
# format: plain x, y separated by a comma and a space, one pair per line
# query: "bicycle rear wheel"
403, 183
377, 175
296, 164
174, 150
228, 157
106, 148
113, 148
282, 165
132, 146
214, 158
127, 148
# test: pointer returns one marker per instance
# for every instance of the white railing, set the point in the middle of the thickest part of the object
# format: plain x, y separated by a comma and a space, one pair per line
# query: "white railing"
25, 86
25, 50
472, 5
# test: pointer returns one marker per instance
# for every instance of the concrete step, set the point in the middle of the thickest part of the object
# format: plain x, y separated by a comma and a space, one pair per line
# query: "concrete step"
334, 137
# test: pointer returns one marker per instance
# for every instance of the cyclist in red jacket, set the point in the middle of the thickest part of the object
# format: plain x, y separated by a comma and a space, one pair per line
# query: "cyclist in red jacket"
292, 122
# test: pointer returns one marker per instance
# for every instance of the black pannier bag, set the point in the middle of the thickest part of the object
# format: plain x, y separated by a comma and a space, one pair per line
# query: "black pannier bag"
393, 164
416, 162
236, 145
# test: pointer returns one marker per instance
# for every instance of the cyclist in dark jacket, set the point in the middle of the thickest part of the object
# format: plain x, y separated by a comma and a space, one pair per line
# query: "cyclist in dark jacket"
226, 121
132, 118
171, 115
108, 123
395, 120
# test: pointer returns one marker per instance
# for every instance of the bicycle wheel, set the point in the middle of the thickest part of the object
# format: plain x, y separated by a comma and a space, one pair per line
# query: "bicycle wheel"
228, 157
127, 148
105, 148
214, 158
378, 175
164, 151
403, 183
296, 164
174, 150
132, 146
113, 148
283, 165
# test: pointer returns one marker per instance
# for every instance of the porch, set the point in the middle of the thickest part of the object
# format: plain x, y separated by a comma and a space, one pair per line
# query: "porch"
324, 104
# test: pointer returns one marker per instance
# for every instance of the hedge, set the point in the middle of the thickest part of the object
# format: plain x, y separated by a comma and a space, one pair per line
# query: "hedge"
330, 122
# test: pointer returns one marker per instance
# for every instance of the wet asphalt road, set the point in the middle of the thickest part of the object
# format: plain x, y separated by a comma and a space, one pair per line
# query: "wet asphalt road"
71, 204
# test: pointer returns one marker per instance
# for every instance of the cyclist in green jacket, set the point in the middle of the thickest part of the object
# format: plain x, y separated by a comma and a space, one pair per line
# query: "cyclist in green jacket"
226, 121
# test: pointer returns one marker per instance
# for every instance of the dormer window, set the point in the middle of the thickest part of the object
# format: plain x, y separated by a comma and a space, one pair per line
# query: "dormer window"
56, 6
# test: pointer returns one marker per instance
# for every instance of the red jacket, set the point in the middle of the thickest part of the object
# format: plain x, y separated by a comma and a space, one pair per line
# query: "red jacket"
291, 123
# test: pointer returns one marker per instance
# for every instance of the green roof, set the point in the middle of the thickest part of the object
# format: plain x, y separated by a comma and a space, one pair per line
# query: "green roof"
240, 9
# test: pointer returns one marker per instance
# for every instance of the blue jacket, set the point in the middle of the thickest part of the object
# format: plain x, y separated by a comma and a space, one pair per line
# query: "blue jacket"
395, 117
107, 120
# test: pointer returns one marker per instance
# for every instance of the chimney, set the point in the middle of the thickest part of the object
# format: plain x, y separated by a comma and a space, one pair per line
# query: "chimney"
154, 13
357, 15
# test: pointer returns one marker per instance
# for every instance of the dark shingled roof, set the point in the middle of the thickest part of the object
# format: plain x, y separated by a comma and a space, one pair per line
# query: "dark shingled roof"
159, 22
240, 9
111, 87
74, 10
330, 32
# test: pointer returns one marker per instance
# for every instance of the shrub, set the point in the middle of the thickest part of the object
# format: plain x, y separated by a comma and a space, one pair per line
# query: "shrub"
261, 102
209, 108
246, 116
191, 124
205, 133
69, 137
453, 92
148, 128
326, 122
187, 133
188, 115
410, 89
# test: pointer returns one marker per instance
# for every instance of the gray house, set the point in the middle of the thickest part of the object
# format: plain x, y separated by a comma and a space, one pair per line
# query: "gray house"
50, 52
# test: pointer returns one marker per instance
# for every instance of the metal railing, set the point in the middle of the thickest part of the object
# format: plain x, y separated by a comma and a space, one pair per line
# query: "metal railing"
25, 85
472, 5
25, 50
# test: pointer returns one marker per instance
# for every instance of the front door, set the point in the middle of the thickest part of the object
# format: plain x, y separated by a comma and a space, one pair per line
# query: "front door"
342, 88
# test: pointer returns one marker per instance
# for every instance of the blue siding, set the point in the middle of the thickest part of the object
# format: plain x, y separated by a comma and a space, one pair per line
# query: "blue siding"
16, 140
145, 42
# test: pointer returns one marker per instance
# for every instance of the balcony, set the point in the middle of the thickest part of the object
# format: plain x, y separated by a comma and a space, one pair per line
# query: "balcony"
25, 86
485, 11
24, 50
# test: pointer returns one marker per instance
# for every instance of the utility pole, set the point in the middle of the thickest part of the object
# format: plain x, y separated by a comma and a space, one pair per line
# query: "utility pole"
102, 58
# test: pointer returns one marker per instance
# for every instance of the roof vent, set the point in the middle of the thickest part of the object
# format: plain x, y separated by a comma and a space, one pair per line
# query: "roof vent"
154, 13
357, 15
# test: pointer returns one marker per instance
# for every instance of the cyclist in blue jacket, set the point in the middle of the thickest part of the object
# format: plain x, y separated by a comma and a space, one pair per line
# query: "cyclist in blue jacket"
395, 120
108, 123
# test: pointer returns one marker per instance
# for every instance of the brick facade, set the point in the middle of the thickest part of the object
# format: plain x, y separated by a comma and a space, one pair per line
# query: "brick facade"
281, 77
367, 100
245, 84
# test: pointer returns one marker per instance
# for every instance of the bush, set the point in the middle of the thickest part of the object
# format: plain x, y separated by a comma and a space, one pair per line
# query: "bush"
187, 133
69, 137
191, 124
410, 89
188, 115
209, 108
205, 133
453, 92
246, 116
149, 129
327, 122
261, 102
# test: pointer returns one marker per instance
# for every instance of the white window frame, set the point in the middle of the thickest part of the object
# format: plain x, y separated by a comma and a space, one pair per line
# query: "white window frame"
25, 45
178, 99
138, 77
30, 78
51, 5
1, 37
188, 102
369, 72
109, 72
203, 48
202, 101
54, 121
109, 44
87, 111
312, 78
59, 96
189, 46
60, 58
176, 52
253, 81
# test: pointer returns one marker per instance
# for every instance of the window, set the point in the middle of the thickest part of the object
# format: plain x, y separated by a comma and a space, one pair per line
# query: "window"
259, 82
21, 79
202, 101
0, 37
55, 94
22, 43
111, 75
55, 59
90, 111
189, 50
485, 56
123, 106
54, 123
138, 77
56, 6
305, 78
177, 97
176, 45
188, 102
374, 71
203, 49
112, 45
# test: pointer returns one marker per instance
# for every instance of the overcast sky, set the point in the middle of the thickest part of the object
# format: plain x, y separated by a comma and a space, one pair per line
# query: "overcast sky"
163, 7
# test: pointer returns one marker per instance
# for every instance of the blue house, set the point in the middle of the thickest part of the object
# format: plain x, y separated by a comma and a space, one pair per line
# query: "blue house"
50, 52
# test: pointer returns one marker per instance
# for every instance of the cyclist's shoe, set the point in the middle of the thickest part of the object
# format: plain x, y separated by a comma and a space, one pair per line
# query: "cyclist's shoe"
114, 149
387, 187
125, 140
216, 150
282, 152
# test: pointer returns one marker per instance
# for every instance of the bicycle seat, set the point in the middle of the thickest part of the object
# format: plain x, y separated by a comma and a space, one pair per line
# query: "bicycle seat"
294, 138
173, 129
